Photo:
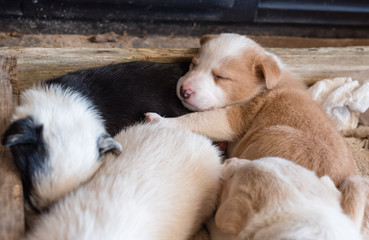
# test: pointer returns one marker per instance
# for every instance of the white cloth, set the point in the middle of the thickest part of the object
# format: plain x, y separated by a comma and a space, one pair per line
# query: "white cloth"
343, 99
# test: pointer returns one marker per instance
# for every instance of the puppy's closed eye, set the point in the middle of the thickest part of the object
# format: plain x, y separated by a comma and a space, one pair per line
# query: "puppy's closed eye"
221, 77
218, 76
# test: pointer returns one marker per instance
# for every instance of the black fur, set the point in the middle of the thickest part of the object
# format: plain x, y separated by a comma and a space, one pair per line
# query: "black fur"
122, 93
28, 150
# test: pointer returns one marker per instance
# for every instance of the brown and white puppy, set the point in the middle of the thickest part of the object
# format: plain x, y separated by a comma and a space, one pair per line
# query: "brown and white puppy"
262, 110
273, 198
259, 107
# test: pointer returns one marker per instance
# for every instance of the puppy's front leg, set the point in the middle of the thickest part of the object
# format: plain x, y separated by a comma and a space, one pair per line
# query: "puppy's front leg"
213, 124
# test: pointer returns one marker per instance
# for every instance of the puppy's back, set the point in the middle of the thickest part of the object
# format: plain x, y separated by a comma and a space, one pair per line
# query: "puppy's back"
292, 126
162, 187
123, 92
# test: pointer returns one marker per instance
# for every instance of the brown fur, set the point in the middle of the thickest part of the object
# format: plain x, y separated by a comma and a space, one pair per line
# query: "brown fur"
354, 201
259, 195
269, 113
283, 121
206, 38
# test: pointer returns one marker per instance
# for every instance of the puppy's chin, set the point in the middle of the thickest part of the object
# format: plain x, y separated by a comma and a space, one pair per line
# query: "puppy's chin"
195, 108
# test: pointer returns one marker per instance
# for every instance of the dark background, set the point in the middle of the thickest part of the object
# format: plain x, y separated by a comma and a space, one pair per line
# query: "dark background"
304, 18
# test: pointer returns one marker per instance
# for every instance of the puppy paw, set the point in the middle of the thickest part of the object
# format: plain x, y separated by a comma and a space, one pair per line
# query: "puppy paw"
153, 117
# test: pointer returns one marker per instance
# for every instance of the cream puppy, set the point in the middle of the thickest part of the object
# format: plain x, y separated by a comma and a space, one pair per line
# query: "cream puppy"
273, 198
163, 185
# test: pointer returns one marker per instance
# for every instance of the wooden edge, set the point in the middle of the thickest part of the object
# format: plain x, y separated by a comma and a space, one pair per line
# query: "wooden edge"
309, 64
11, 192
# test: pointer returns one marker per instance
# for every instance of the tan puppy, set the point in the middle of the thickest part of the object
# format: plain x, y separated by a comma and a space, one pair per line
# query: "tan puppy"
259, 107
262, 110
273, 198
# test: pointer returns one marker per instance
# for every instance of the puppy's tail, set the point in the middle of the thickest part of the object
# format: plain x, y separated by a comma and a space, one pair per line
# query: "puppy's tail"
355, 202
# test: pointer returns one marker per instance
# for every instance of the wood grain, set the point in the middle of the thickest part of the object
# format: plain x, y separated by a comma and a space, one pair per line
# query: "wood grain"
11, 193
310, 64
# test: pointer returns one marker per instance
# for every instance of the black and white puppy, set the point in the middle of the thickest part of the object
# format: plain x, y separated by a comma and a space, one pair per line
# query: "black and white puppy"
63, 126
163, 186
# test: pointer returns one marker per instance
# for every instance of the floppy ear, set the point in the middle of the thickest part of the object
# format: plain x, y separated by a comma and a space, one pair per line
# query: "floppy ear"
230, 166
267, 69
21, 131
106, 144
206, 38
354, 198
233, 214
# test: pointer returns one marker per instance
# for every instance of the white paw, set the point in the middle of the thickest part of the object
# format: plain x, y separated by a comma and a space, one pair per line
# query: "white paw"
153, 117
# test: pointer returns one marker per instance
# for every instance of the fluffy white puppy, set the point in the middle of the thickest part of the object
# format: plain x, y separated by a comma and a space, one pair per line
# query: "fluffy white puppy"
273, 198
163, 186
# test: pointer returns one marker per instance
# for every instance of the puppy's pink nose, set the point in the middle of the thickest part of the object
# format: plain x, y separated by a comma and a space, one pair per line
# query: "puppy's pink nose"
186, 93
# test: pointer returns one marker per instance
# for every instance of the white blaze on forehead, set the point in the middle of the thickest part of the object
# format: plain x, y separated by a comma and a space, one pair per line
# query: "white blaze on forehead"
223, 46
208, 94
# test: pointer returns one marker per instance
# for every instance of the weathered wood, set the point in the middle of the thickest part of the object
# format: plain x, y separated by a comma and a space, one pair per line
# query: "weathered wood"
11, 195
310, 64
38, 64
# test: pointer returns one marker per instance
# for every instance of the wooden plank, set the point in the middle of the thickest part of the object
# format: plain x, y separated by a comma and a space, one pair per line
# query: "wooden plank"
303, 42
310, 64
314, 64
11, 195
38, 64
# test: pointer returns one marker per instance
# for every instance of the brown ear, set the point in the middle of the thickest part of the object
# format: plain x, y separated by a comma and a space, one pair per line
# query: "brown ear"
233, 214
267, 69
231, 165
206, 38
354, 198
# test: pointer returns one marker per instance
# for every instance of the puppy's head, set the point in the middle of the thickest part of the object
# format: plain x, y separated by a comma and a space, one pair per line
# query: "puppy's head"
229, 68
267, 184
57, 141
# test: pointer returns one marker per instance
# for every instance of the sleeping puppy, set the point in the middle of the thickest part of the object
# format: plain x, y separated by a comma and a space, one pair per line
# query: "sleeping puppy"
164, 185
249, 98
59, 123
273, 198
259, 107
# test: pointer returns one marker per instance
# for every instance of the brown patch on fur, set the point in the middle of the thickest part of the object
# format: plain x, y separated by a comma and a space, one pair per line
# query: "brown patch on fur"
354, 201
277, 117
243, 195
206, 38
247, 75
286, 123
267, 68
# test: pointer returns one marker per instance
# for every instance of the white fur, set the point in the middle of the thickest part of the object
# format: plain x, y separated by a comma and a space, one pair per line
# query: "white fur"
310, 210
199, 123
207, 95
162, 186
71, 128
